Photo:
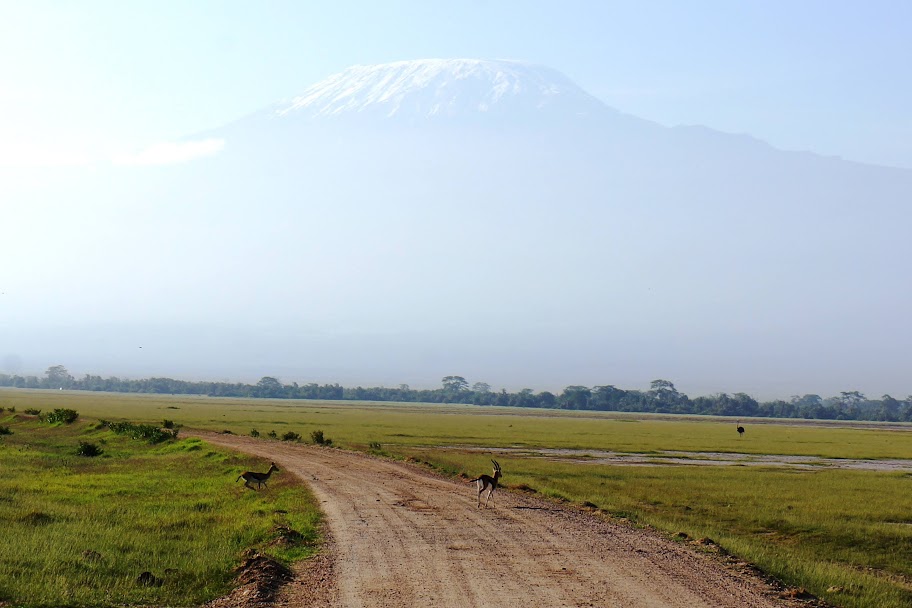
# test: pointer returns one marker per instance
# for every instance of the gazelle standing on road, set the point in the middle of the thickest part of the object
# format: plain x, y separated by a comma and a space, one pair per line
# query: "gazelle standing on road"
257, 478
485, 481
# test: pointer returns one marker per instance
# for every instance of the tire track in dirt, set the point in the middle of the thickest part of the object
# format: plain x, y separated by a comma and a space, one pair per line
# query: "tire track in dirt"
402, 537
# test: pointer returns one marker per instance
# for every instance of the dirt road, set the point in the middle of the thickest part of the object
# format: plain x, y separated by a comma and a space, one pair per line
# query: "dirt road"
402, 537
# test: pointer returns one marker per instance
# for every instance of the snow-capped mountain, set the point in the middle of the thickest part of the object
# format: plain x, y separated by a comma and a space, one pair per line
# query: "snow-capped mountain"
443, 88
493, 215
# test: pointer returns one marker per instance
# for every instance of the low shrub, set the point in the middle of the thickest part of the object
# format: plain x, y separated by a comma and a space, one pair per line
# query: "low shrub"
375, 446
88, 449
254, 433
60, 415
168, 424
291, 436
30, 411
5, 430
150, 433
273, 434
318, 438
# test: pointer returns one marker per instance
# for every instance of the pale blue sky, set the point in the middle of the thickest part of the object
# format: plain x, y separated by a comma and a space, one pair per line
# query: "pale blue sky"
81, 81
731, 278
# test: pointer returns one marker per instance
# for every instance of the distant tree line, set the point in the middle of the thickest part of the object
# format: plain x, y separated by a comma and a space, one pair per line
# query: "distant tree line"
662, 396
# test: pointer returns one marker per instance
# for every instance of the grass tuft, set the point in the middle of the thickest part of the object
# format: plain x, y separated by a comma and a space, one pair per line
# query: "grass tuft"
36, 518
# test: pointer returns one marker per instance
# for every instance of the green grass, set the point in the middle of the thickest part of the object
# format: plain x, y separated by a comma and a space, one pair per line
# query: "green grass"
356, 424
79, 531
821, 529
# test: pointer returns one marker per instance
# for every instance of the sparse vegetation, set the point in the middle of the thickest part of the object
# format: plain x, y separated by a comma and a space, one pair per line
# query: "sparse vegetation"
5, 430
291, 436
31, 411
254, 433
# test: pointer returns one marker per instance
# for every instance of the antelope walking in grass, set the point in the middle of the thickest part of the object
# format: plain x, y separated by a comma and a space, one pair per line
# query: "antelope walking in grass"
485, 481
257, 478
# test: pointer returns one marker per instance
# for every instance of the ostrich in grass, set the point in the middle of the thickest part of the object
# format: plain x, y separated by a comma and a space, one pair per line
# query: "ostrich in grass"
740, 430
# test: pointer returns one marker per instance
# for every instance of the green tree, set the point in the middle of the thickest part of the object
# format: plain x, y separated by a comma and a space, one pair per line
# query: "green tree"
269, 387
745, 405
848, 405
889, 409
525, 398
58, 377
665, 395
807, 402
852, 398
455, 384
662, 386
547, 399
607, 397
575, 398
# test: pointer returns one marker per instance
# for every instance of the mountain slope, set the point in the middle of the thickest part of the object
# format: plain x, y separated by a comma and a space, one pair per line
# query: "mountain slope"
388, 219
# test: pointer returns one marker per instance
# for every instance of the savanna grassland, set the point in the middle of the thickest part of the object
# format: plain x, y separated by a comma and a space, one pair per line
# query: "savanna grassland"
79, 530
844, 535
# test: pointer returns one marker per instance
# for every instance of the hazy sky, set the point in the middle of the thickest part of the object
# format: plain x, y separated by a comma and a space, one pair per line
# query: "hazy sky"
773, 273
82, 81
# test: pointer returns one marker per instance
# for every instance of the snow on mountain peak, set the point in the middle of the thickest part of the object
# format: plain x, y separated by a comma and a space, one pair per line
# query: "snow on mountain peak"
442, 88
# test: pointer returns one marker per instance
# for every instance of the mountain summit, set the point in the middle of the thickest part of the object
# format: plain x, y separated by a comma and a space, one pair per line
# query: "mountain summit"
434, 89
408, 220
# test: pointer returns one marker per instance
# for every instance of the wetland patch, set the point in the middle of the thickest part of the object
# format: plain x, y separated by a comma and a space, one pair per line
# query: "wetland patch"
682, 458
